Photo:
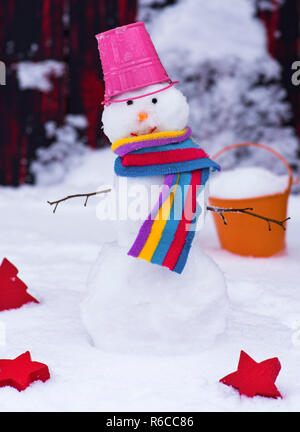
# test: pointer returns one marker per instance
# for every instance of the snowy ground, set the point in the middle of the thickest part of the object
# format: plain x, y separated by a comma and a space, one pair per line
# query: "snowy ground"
54, 254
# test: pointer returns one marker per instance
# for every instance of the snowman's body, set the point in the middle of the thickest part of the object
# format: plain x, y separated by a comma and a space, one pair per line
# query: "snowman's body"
135, 306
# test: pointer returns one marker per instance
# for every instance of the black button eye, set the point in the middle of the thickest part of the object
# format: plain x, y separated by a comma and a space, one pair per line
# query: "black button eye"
129, 102
154, 100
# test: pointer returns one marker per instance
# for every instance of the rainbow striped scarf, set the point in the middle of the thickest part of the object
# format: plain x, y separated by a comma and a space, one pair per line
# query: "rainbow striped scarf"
165, 238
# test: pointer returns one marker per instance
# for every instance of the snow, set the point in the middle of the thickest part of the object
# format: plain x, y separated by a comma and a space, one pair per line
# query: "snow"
63, 154
78, 121
36, 75
247, 183
140, 310
55, 255
226, 30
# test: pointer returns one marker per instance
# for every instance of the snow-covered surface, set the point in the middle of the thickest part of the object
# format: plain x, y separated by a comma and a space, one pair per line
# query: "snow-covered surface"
37, 75
247, 183
55, 254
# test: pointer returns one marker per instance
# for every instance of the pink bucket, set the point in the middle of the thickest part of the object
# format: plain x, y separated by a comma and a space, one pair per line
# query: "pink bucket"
129, 60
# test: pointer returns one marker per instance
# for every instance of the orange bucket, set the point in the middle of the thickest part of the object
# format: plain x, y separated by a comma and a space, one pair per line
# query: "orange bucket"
247, 235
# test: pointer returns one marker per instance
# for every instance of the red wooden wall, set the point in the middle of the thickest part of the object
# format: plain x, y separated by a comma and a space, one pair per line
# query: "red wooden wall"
63, 30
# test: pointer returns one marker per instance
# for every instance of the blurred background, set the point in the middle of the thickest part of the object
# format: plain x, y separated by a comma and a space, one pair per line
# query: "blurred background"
233, 59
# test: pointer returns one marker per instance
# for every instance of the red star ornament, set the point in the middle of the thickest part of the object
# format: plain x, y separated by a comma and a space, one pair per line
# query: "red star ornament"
22, 371
13, 292
255, 379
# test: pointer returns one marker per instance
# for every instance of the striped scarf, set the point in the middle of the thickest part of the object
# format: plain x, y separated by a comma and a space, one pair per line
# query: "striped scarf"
164, 238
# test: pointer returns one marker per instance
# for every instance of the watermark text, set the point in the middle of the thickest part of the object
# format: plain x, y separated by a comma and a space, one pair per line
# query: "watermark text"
2, 74
137, 202
296, 74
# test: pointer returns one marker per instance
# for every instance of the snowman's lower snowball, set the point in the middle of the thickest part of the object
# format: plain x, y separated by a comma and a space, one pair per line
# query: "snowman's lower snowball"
137, 307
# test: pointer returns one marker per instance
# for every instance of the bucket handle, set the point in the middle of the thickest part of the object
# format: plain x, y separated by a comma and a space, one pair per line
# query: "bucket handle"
292, 180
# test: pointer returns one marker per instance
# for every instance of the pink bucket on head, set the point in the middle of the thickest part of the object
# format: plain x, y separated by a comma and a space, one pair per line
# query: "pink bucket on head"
129, 60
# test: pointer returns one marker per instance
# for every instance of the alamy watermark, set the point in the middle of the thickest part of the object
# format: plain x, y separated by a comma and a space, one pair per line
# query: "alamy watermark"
2, 74
296, 74
136, 201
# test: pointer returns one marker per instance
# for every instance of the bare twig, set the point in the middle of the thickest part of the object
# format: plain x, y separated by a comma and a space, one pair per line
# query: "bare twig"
87, 196
219, 210
247, 211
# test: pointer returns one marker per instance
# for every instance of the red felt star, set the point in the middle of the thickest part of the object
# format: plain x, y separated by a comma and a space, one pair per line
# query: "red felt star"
253, 378
21, 372
13, 292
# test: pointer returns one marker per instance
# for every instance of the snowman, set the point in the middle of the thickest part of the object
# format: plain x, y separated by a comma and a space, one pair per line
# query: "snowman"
153, 289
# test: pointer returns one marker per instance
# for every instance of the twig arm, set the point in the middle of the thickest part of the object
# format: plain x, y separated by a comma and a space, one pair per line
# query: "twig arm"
249, 212
87, 196
218, 210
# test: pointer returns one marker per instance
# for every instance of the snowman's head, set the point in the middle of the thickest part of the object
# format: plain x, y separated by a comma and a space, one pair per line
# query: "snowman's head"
167, 110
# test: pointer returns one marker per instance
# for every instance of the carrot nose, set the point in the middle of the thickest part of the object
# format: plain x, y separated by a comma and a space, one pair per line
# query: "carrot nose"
142, 116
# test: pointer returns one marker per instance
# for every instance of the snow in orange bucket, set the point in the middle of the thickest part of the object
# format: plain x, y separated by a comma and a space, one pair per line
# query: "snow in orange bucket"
246, 235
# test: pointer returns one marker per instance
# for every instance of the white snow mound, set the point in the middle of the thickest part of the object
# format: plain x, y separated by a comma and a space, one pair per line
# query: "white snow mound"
247, 182
137, 307
37, 75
